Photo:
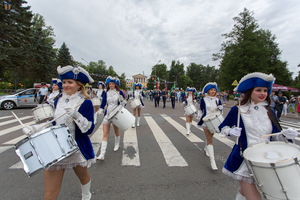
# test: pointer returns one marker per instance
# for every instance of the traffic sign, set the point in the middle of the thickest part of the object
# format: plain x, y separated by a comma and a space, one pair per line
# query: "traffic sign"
235, 83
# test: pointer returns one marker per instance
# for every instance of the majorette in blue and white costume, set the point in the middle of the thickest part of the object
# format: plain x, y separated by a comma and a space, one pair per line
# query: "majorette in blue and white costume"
55, 92
209, 104
101, 94
138, 94
114, 97
188, 101
80, 121
84, 124
254, 123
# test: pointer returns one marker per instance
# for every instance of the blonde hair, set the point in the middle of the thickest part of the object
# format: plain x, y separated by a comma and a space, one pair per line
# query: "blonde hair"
82, 89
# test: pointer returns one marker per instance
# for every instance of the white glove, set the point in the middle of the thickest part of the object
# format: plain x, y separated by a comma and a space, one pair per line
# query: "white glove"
195, 100
28, 130
220, 107
290, 133
183, 103
236, 131
72, 112
100, 112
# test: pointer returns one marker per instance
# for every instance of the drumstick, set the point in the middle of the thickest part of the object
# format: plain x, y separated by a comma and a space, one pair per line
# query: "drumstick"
275, 134
238, 121
17, 118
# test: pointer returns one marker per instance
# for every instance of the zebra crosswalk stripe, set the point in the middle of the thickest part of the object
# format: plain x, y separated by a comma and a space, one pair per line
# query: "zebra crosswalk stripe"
171, 154
192, 137
131, 156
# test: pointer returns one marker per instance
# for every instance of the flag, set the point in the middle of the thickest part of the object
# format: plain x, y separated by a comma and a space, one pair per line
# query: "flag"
173, 86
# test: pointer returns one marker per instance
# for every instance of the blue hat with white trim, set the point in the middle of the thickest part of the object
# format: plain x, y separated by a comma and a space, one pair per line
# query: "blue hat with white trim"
57, 82
101, 83
255, 79
209, 86
191, 89
76, 73
138, 84
112, 79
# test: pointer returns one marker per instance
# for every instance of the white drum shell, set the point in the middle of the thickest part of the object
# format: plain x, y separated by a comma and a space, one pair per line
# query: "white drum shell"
43, 112
273, 164
123, 119
96, 101
190, 109
212, 121
45, 148
135, 103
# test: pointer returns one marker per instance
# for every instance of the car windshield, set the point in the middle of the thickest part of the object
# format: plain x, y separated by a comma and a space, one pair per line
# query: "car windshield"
17, 91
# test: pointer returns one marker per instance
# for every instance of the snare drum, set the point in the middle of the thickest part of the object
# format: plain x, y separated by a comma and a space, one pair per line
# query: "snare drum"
212, 121
42, 113
121, 117
45, 148
275, 168
190, 109
135, 103
96, 103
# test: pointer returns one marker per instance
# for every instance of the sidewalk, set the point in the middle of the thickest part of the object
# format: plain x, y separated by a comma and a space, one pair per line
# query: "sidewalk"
231, 103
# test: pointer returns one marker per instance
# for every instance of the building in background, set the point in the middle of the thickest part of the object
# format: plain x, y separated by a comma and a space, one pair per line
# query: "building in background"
139, 78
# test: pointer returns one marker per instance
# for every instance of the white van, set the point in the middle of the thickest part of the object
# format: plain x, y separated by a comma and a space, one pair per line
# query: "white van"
20, 98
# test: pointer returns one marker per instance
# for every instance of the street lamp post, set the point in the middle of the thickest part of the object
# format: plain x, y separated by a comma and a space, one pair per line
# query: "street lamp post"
155, 74
84, 60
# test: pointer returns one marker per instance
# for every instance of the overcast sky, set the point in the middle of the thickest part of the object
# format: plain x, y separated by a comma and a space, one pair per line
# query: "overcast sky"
133, 35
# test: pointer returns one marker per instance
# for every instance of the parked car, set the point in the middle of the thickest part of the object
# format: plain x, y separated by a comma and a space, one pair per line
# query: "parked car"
23, 98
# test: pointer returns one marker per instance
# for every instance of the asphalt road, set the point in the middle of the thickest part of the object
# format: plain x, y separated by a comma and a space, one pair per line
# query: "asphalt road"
155, 161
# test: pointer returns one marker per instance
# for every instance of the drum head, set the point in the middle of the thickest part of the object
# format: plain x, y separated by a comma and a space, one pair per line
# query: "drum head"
273, 152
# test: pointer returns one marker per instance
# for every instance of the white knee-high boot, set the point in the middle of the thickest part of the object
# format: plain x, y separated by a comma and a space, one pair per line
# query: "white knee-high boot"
239, 196
117, 143
133, 125
138, 121
103, 150
188, 126
85, 191
210, 150
206, 151
95, 118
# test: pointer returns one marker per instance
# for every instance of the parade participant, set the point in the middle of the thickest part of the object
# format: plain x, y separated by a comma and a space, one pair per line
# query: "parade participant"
79, 116
182, 96
255, 120
114, 97
101, 95
156, 96
209, 104
138, 94
190, 99
164, 95
173, 97
42, 92
298, 107
281, 102
56, 90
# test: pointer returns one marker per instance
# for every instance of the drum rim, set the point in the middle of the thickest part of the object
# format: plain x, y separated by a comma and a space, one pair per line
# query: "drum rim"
285, 161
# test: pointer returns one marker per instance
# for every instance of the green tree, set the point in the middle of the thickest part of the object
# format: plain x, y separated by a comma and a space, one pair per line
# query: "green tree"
14, 40
64, 56
159, 73
248, 49
177, 73
41, 53
200, 75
